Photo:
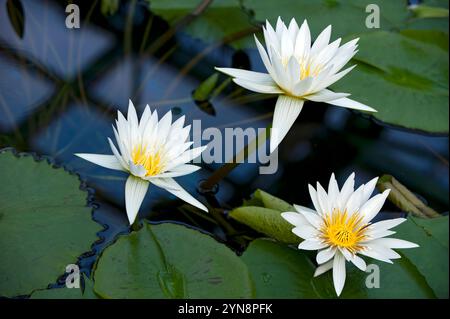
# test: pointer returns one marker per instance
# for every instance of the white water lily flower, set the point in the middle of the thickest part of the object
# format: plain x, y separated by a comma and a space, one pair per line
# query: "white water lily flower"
298, 71
340, 228
151, 151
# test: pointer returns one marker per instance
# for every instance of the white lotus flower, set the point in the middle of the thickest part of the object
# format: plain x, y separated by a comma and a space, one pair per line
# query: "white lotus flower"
151, 151
298, 72
340, 228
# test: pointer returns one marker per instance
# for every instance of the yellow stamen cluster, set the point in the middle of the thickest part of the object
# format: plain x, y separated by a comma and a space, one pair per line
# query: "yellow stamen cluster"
306, 70
150, 161
341, 230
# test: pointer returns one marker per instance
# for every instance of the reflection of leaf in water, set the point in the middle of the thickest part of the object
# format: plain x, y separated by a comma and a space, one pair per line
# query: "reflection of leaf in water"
16, 16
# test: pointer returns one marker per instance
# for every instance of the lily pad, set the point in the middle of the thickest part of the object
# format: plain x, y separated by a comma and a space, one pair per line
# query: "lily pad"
213, 24
346, 16
45, 223
87, 292
170, 261
407, 84
279, 271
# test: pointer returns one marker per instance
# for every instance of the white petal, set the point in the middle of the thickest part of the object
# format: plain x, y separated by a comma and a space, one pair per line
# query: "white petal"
287, 109
322, 41
359, 262
354, 202
300, 209
287, 47
314, 199
258, 87
174, 188
395, 243
186, 157
368, 189
264, 56
333, 191
303, 42
386, 224
108, 161
351, 104
144, 118
137, 170
262, 78
325, 255
346, 191
302, 87
325, 96
180, 170
117, 154
339, 272
135, 190
323, 268
378, 234
312, 244
324, 203
313, 218
371, 208
294, 218
305, 231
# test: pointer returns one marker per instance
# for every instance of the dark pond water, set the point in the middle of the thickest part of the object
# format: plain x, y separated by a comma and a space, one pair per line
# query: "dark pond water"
60, 89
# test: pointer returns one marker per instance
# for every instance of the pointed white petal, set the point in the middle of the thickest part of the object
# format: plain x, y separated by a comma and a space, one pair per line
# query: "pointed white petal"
394, 243
368, 189
386, 224
312, 244
359, 262
135, 190
323, 268
351, 104
294, 218
346, 191
107, 161
325, 96
322, 41
287, 109
258, 87
371, 208
117, 154
257, 77
305, 231
303, 42
324, 203
333, 191
264, 56
174, 188
325, 255
180, 170
313, 218
314, 199
339, 272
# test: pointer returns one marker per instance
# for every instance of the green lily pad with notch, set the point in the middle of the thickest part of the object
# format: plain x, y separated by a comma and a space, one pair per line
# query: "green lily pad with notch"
45, 223
407, 84
170, 261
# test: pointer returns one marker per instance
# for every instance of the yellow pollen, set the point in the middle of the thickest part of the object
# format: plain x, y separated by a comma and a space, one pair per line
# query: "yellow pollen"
306, 70
341, 230
150, 161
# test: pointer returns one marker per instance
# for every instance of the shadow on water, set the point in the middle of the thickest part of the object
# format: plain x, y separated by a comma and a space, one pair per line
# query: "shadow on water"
60, 89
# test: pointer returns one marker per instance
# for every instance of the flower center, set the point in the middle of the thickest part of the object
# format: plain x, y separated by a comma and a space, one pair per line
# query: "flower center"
150, 161
344, 231
307, 70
